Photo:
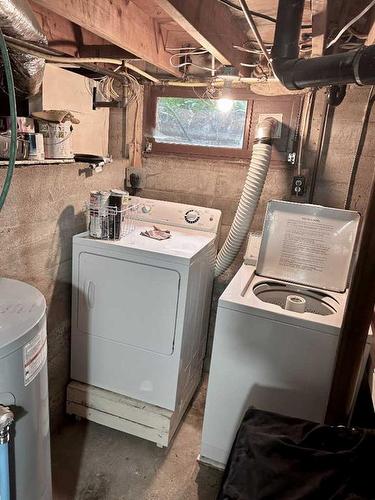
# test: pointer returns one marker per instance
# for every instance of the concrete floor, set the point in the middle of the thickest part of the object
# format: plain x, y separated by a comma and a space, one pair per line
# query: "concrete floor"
92, 462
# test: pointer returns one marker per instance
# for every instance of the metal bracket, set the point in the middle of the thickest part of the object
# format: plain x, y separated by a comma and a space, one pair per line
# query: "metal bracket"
6, 419
104, 104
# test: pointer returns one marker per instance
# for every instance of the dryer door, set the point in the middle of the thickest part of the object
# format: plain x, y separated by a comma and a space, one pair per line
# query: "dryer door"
128, 302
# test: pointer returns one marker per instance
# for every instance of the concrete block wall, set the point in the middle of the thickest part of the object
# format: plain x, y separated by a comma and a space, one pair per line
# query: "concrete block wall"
43, 211
339, 153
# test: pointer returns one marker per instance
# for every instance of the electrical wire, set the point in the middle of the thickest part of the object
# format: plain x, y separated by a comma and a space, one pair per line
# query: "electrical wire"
257, 14
349, 24
13, 119
183, 48
195, 52
130, 86
360, 36
186, 64
255, 31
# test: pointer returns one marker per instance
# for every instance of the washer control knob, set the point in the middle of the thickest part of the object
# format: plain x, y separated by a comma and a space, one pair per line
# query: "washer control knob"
146, 209
192, 216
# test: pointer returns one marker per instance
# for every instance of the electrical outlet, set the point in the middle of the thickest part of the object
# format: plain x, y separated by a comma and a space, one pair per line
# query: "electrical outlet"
136, 171
279, 117
298, 185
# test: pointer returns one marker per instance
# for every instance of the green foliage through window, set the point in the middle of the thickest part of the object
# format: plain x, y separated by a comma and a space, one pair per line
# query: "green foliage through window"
200, 122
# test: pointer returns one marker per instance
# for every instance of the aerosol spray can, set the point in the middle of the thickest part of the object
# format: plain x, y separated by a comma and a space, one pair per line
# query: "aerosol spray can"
99, 224
117, 203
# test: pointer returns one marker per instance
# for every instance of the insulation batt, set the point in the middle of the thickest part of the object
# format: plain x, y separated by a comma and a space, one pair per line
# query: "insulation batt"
17, 20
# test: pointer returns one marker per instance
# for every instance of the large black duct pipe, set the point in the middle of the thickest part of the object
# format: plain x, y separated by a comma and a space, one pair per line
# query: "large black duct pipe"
357, 66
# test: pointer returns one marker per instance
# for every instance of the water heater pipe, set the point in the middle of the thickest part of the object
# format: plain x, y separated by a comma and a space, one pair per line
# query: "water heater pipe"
260, 161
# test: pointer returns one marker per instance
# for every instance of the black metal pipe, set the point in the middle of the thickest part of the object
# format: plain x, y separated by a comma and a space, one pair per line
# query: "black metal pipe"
335, 69
336, 94
288, 29
356, 66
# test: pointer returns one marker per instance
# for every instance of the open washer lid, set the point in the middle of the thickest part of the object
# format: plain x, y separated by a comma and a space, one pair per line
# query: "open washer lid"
308, 244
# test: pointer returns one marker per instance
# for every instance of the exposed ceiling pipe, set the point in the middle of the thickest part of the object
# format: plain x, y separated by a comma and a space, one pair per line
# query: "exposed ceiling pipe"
84, 62
357, 66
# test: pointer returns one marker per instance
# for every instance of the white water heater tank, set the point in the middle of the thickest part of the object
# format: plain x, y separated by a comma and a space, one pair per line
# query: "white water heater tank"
24, 388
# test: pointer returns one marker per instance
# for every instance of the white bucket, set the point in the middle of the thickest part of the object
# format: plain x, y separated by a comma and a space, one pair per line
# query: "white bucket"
57, 139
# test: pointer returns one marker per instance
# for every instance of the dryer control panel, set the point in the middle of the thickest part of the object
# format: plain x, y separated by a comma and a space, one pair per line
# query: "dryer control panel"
179, 214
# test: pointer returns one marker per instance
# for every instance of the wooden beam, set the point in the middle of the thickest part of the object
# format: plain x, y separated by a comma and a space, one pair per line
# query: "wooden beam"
371, 32
60, 32
120, 22
319, 26
371, 35
67, 37
212, 25
102, 50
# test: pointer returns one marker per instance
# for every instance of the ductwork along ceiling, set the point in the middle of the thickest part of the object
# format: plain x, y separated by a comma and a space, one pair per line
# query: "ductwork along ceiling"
18, 20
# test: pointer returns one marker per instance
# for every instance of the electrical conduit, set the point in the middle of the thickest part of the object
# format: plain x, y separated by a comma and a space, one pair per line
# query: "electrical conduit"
260, 161
13, 121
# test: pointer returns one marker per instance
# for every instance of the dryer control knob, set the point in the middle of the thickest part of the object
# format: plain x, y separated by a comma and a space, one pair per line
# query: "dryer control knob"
192, 216
146, 209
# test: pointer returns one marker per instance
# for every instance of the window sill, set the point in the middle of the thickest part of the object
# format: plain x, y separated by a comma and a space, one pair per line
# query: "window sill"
197, 157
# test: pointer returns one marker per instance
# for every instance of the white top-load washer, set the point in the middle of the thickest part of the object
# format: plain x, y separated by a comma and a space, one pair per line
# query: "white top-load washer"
140, 306
278, 323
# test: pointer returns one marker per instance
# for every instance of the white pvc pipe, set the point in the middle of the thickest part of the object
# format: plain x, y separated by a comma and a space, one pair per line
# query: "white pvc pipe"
260, 161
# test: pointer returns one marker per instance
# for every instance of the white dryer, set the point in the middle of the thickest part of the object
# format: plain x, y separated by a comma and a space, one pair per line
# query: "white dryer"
278, 324
140, 306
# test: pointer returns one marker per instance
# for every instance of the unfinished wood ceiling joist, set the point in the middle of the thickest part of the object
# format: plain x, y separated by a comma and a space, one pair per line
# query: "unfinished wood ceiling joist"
371, 36
371, 33
319, 26
211, 25
60, 32
121, 23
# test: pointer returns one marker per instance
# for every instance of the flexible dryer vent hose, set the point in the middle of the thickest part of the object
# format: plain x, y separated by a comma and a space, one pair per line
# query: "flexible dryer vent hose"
260, 161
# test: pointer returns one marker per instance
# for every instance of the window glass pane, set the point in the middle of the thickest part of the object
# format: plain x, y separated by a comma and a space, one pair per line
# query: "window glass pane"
200, 122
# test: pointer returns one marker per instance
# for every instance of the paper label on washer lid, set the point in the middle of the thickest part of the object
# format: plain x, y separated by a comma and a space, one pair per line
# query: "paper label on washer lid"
308, 244
35, 356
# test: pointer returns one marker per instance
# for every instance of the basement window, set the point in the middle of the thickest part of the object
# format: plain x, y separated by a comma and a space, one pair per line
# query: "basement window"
185, 122
217, 123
